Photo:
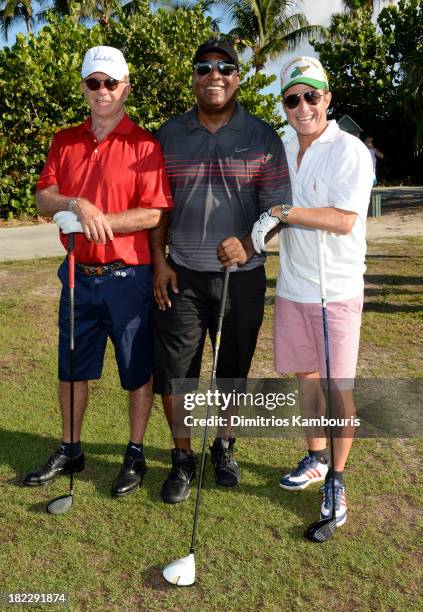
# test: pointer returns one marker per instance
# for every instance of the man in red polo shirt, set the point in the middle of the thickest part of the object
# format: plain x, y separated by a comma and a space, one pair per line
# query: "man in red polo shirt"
104, 180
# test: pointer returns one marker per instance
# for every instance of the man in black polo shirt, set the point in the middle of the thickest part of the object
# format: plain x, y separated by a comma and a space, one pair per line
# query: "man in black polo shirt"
225, 168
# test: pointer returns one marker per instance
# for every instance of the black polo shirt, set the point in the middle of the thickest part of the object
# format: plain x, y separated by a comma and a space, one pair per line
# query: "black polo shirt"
220, 183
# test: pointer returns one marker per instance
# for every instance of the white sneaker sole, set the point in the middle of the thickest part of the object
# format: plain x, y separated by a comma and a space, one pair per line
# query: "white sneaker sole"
302, 486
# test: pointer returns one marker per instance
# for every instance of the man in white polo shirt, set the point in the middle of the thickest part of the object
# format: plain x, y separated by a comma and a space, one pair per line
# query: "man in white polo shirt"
331, 176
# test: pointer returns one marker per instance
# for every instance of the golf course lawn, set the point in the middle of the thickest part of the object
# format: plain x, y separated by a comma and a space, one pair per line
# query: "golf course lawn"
107, 554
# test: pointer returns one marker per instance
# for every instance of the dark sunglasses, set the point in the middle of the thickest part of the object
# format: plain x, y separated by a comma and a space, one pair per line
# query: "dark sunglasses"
206, 66
311, 97
94, 84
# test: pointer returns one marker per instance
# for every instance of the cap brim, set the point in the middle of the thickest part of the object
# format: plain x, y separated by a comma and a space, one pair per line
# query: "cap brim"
306, 81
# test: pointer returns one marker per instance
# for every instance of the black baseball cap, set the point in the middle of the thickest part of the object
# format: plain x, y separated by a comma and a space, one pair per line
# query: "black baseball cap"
221, 46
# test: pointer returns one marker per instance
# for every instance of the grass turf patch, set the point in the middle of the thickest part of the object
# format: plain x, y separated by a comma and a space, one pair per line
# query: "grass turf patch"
107, 554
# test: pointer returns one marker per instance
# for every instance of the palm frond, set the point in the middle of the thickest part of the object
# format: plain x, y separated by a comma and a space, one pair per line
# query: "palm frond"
271, 26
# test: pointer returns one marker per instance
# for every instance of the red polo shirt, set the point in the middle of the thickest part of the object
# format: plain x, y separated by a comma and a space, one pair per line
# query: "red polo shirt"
124, 171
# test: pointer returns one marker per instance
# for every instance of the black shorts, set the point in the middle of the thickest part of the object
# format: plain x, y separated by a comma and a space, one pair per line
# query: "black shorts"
179, 332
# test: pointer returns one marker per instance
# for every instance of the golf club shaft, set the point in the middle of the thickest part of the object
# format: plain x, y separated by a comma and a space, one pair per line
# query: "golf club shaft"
71, 264
322, 275
212, 386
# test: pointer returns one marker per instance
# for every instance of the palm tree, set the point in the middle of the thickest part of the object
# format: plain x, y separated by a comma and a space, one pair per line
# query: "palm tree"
85, 10
268, 27
173, 5
13, 12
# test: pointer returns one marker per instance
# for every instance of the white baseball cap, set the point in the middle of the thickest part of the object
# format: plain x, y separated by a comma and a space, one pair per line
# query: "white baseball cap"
305, 70
105, 59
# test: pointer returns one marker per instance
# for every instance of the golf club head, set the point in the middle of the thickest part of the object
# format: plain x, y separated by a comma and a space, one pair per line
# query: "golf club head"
60, 505
181, 572
322, 530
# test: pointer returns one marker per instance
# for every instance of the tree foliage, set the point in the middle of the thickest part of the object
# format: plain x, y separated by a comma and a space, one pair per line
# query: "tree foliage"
355, 57
367, 64
173, 5
39, 91
403, 24
354, 5
40, 86
412, 89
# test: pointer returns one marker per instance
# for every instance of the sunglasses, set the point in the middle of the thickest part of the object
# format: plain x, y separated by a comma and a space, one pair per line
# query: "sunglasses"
206, 66
311, 97
94, 84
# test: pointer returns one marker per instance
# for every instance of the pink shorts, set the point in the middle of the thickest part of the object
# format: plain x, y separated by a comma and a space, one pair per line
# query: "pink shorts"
299, 340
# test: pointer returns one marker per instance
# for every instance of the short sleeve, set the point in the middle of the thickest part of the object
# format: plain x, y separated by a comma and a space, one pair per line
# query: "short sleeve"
352, 178
154, 186
274, 183
50, 173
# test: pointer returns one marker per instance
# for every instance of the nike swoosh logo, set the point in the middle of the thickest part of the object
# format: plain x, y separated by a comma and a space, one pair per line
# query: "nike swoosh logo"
241, 150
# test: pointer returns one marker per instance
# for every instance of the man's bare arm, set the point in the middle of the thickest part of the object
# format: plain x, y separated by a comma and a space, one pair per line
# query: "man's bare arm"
163, 275
134, 220
49, 201
329, 219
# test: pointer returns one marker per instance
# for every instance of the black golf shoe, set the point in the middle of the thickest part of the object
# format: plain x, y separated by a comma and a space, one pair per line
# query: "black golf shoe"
176, 486
226, 469
58, 464
130, 475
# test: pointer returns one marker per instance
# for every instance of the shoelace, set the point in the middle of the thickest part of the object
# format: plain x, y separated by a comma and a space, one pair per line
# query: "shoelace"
179, 472
226, 457
339, 489
303, 465
223, 457
56, 456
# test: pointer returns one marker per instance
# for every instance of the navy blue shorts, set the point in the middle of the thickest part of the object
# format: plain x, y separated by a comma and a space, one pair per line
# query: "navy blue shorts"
117, 305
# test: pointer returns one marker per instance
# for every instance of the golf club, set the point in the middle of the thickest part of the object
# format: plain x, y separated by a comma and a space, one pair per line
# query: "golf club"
321, 530
62, 504
182, 571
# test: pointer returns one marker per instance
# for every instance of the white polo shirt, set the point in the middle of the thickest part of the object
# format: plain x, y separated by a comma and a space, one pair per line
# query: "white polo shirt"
336, 170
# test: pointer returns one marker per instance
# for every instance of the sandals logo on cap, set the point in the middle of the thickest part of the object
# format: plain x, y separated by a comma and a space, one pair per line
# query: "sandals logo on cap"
105, 58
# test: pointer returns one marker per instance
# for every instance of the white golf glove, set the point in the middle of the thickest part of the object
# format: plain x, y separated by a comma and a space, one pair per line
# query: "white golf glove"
261, 228
68, 222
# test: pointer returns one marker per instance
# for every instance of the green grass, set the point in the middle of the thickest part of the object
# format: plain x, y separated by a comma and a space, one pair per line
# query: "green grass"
107, 554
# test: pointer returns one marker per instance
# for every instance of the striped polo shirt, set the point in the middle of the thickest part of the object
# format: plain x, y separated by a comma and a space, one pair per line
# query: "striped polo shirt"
220, 183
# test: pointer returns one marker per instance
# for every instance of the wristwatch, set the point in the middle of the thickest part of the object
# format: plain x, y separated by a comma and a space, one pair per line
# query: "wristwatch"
72, 204
284, 210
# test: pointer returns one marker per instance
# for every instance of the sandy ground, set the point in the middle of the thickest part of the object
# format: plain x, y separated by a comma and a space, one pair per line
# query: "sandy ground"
396, 223
402, 213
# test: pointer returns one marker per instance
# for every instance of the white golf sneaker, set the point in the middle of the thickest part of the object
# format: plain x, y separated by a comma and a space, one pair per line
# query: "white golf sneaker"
308, 470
